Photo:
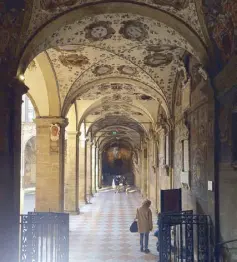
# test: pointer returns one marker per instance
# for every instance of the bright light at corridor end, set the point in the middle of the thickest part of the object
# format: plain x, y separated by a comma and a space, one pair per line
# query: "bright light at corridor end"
21, 77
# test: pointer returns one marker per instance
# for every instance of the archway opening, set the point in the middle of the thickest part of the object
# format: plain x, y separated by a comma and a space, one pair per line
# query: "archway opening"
28, 156
117, 160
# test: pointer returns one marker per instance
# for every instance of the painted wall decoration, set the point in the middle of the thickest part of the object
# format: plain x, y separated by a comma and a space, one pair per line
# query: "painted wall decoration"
127, 70
102, 70
177, 4
221, 20
116, 161
134, 30
54, 132
10, 26
158, 59
99, 31
159, 55
73, 60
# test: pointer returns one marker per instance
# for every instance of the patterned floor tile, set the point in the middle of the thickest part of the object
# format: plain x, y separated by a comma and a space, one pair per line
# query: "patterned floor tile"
101, 231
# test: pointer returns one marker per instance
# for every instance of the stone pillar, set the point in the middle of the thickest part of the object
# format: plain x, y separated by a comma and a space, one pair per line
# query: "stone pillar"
145, 171
93, 168
142, 169
71, 174
50, 164
10, 166
88, 169
99, 168
96, 168
82, 171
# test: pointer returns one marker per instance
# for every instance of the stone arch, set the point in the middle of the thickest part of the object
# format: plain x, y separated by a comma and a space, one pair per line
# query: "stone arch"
141, 86
102, 8
40, 77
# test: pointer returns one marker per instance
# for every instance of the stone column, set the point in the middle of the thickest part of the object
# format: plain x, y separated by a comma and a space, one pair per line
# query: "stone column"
10, 166
96, 168
93, 169
71, 174
99, 168
88, 169
82, 171
145, 171
50, 164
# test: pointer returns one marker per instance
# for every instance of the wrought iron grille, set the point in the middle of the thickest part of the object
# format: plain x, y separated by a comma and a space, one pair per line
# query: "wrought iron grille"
185, 237
44, 237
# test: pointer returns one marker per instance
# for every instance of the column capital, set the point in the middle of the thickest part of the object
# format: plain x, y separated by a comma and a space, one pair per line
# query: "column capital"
47, 121
18, 86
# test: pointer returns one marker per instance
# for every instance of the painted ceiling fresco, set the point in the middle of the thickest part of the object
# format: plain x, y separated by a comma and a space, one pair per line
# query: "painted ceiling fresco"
116, 122
45, 10
122, 134
115, 46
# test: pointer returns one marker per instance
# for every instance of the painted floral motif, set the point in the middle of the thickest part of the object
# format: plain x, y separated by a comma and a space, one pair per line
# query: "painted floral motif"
73, 60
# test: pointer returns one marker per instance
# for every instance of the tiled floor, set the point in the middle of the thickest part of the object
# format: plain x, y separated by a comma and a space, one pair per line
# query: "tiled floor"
101, 232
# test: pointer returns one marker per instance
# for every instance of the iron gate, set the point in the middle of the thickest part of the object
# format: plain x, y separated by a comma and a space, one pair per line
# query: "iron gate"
185, 237
44, 237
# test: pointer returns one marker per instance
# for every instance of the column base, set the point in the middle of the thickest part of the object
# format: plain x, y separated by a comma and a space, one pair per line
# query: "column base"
82, 202
72, 212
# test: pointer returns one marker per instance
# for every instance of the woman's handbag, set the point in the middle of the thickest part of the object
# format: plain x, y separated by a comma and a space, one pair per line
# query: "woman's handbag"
134, 227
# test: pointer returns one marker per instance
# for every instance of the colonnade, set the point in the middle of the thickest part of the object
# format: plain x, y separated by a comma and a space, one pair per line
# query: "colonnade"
67, 169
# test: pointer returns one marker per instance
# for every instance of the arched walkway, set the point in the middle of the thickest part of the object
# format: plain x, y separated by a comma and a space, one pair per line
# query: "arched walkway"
101, 232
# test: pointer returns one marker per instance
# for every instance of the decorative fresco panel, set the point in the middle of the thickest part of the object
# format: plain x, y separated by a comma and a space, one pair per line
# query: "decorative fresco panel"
221, 20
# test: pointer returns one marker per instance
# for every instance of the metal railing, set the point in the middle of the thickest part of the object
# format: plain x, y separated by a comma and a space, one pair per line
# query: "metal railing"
185, 237
226, 251
44, 237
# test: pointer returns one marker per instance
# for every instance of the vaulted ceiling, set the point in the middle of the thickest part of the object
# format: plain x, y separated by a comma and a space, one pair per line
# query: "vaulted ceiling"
119, 67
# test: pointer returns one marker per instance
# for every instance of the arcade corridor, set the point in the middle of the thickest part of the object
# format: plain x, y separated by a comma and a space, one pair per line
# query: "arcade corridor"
101, 232
140, 88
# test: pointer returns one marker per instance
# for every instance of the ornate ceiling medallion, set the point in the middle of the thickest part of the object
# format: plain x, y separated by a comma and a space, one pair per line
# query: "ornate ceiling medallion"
177, 4
134, 30
73, 60
158, 59
51, 5
127, 70
99, 31
102, 70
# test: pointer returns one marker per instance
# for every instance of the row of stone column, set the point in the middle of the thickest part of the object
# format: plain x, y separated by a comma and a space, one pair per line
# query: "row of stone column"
65, 179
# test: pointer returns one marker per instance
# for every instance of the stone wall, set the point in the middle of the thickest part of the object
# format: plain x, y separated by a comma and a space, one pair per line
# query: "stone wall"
197, 125
226, 85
